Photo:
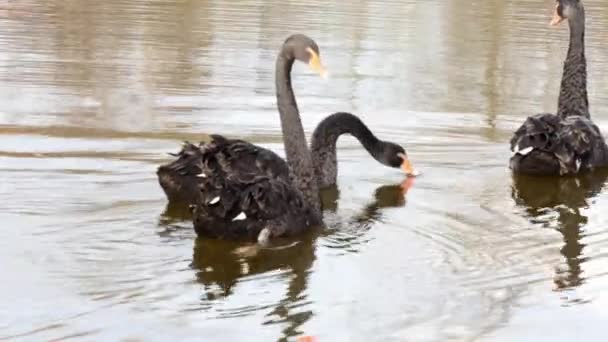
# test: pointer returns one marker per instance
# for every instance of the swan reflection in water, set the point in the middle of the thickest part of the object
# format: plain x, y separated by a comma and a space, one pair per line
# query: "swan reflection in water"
220, 264
564, 197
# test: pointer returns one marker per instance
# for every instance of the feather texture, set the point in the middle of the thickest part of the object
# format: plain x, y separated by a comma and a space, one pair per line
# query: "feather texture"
569, 142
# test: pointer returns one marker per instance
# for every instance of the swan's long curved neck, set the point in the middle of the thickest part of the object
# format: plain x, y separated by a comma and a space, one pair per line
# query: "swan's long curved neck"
325, 137
573, 91
296, 149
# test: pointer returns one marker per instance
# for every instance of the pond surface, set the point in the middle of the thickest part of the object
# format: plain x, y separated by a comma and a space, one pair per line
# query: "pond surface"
94, 94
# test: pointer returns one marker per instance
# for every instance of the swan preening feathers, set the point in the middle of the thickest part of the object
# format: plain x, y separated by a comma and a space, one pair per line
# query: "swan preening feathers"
567, 142
240, 190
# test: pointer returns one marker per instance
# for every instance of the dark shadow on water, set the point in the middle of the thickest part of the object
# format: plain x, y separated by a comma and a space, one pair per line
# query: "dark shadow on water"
385, 196
347, 235
175, 218
175, 212
564, 197
223, 264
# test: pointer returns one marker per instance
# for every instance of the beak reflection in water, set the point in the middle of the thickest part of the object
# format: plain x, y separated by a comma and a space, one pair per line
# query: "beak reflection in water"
406, 185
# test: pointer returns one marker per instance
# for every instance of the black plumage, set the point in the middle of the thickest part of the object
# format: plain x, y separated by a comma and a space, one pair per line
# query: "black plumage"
240, 190
222, 157
243, 207
325, 137
569, 142
548, 145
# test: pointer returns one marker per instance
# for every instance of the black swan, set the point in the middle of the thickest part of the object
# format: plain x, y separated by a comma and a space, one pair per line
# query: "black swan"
240, 190
569, 142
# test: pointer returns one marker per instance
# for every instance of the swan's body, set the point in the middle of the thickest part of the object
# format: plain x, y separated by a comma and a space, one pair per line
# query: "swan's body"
246, 206
569, 142
241, 190
237, 189
548, 145
181, 178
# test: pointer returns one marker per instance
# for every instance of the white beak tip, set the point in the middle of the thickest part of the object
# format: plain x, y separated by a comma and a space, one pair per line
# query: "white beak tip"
215, 200
414, 173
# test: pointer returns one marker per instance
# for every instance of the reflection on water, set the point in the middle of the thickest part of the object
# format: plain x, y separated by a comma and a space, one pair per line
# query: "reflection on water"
559, 203
94, 94
385, 196
222, 265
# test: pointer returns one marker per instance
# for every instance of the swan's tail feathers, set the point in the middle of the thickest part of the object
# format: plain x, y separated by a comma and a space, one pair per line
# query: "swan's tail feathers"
179, 178
219, 139
584, 146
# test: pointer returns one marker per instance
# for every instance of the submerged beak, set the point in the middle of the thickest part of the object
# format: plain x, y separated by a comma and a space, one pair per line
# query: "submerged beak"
315, 63
556, 17
407, 167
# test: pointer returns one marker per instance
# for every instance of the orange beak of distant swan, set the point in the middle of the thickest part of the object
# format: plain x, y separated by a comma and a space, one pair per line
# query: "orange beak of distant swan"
556, 17
315, 63
406, 166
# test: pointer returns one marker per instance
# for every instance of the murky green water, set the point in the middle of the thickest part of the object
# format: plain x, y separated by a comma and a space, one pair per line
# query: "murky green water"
93, 95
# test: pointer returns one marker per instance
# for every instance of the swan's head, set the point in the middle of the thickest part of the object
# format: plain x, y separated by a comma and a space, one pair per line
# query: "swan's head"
306, 50
565, 9
395, 156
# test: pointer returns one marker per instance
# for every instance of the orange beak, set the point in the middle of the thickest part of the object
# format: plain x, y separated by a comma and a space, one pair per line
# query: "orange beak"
315, 63
406, 165
556, 17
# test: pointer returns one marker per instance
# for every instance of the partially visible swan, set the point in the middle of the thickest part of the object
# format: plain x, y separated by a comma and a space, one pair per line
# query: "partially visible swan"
569, 142
243, 190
